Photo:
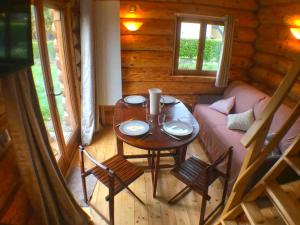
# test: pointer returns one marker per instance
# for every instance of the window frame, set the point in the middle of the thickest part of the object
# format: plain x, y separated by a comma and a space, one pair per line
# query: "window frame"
203, 21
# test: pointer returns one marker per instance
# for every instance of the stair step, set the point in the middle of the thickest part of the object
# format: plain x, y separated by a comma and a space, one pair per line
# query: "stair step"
287, 206
229, 222
294, 162
254, 214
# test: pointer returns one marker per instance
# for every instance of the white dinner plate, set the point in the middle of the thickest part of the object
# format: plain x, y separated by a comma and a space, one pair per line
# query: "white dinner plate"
134, 127
167, 99
135, 99
178, 128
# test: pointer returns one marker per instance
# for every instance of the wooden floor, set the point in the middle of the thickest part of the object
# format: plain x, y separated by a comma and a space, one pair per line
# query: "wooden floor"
128, 211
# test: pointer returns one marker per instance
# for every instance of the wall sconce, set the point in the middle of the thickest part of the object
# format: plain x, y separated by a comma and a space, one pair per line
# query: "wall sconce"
296, 32
132, 25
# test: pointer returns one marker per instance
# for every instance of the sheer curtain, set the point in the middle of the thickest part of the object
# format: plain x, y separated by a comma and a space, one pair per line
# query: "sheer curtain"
42, 178
225, 59
89, 111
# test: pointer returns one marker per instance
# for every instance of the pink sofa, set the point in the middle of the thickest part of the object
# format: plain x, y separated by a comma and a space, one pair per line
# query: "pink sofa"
215, 135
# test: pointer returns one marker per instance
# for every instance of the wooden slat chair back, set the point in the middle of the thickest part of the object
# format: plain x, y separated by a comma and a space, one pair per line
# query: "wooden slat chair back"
116, 174
198, 176
241, 202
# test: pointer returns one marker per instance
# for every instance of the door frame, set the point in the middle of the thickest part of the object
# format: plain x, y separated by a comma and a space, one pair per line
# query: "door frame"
67, 150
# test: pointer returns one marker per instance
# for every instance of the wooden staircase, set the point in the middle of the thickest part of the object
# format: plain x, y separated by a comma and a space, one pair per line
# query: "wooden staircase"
245, 203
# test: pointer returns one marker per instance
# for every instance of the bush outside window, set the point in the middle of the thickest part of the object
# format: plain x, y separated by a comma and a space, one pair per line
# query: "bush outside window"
198, 45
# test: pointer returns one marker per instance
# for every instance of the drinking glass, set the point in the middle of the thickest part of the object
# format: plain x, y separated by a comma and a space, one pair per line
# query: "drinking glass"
161, 119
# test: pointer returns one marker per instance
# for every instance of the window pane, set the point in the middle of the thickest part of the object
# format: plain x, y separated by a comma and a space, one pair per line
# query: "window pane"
41, 91
189, 42
59, 71
213, 45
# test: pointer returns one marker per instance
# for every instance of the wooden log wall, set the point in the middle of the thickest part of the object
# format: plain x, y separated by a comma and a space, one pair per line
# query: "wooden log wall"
15, 208
147, 54
275, 45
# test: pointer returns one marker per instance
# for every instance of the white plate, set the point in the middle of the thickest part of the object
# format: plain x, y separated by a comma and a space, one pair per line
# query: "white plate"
178, 128
166, 99
134, 127
134, 99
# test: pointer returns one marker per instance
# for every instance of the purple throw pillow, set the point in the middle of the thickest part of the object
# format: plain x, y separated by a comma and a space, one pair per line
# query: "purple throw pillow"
224, 105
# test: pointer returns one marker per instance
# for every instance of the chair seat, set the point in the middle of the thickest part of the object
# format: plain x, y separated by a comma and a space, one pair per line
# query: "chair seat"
192, 172
124, 169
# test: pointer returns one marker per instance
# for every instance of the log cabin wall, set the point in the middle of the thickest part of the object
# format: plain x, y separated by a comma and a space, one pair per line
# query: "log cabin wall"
275, 44
147, 54
15, 208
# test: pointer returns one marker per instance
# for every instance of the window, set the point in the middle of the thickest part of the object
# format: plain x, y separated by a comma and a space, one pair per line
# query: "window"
199, 41
52, 71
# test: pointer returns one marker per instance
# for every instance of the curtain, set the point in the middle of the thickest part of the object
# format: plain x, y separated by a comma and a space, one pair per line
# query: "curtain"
41, 176
89, 112
225, 59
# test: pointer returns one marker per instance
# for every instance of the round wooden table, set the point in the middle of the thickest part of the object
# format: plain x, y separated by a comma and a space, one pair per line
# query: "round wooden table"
157, 141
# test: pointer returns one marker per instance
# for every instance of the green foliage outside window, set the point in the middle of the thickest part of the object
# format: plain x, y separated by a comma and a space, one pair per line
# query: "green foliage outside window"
51, 48
189, 49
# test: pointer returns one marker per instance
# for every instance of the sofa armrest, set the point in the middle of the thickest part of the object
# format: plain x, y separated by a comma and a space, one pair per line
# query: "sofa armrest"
208, 98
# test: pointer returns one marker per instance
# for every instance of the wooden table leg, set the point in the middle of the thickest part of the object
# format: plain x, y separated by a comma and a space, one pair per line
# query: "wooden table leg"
180, 155
120, 148
152, 168
156, 171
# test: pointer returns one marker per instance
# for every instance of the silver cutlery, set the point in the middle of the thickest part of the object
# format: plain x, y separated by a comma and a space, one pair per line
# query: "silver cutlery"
146, 135
124, 122
170, 135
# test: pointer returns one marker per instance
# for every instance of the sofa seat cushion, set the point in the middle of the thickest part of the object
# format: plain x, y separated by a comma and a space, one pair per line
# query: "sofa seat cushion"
217, 140
210, 117
231, 138
246, 96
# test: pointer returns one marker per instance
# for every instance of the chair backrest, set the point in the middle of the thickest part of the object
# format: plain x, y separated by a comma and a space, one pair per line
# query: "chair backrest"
90, 157
226, 155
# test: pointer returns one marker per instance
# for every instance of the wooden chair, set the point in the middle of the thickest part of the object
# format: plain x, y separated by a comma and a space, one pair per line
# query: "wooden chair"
198, 176
116, 173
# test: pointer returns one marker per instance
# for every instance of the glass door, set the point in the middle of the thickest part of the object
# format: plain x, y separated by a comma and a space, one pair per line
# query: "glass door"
53, 81
59, 72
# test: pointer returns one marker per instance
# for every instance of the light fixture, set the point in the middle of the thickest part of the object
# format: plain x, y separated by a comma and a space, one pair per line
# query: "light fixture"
296, 32
132, 25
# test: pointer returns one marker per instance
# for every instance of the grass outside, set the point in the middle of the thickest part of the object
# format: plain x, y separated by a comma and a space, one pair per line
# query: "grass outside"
41, 91
190, 64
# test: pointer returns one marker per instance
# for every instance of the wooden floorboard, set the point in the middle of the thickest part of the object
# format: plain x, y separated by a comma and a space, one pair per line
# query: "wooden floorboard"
128, 211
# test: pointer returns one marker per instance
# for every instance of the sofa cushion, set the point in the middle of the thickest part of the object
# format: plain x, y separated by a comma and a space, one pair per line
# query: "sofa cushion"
246, 96
210, 117
240, 121
223, 105
280, 117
